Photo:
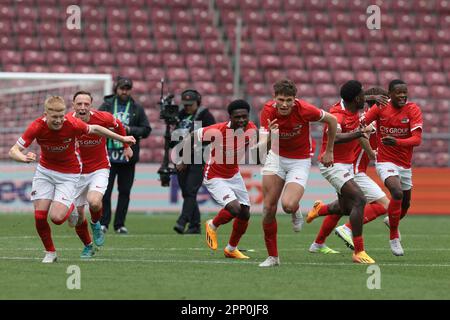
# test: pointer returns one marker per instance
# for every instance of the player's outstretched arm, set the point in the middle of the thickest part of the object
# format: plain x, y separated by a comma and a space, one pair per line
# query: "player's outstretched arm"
16, 153
330, 120
101, 131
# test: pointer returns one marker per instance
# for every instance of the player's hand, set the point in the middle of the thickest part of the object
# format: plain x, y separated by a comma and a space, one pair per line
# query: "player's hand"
372, 155
273, 126
128, 153
389, 141
130, 140
181, 167
381, 99
327, 159
30, 157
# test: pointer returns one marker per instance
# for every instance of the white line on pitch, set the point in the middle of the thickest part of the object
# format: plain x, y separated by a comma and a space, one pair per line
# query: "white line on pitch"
236, 262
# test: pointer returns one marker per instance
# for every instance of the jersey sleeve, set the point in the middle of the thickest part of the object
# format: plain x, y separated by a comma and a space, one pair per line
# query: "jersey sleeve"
208, 132
416, 121
371, 115
264, 118
80, 127
29, 135
310, 112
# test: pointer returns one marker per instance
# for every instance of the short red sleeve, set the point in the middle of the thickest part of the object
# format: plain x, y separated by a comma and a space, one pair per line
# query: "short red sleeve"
416, 121
371, 115
79, 126
310, 112
29, 135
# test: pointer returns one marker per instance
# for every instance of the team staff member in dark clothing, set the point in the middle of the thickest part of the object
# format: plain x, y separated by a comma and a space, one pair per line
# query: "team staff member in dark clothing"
136, 124
190, 176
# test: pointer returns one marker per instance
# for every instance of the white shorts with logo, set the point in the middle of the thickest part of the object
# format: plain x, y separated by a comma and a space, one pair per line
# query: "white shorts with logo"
54, 185
338, 174
389, 169
290, 170
224, 190
370, 188
94, 181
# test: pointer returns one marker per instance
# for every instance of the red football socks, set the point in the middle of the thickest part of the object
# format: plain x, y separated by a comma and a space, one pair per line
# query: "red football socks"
323, 211
358, 243
328, 224
371, 212
239, 228
394, 211
43, 229
95, 216
270, 237
223, 217
83, 233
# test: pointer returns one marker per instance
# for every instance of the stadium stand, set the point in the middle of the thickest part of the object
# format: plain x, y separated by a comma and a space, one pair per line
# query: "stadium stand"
191, 43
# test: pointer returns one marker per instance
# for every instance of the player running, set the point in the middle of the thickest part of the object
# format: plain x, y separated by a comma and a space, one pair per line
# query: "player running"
287, 165
222, 177
399, 130
94, 175
377, 202
59, 168
351, 199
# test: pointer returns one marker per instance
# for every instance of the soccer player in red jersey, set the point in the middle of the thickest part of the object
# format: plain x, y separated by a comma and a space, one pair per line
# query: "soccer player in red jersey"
222, 177
341, 176
399, 130
59, 167
377, 202
287, 164
94, 175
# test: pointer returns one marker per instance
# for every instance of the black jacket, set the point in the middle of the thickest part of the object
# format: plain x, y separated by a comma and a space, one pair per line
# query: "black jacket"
202, 114
139, 127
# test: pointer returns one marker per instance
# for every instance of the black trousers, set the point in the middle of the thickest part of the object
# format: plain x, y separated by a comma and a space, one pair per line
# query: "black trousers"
190, 181
125, 179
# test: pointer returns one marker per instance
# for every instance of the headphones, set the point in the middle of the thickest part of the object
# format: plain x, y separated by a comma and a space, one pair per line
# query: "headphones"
196, 95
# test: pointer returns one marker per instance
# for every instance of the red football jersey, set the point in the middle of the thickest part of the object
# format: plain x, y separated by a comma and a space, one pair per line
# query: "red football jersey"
58, 147
347, 122
398, 123
361, 158
225, 165
294, 131
93, 151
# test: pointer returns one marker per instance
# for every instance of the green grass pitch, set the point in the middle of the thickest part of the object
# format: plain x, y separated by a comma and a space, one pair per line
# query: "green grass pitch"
153, 262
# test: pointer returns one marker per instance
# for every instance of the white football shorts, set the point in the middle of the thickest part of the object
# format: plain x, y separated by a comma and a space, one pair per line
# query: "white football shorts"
337, 175
224, 190
54, 185
389, 169
370, 188
94, 181
290, 170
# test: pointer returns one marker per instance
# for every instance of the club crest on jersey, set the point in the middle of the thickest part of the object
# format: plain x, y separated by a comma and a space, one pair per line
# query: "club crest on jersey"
404, 120
67, 140
226, 197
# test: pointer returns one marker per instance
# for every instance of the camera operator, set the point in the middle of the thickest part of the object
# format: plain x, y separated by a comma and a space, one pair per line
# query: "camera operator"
190, 176
136, 124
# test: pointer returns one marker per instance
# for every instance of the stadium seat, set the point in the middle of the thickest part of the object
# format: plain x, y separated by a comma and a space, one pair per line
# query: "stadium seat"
208, 32
413, 77
355, 49
292, 62
139, 30
338, 62
415, 91
177, 74
327, 34
251, 75
104, 59
223, 75
321, 76
269, 61
265, 48
282, 33
219, 60
332, 49
298, 75
173, 60
80, 57
385, 77
435, 78
132, 72
154, 73
424, 50
342, 76
191, 46
407, 64
196, 60
442, 92
143, 45
273, 75
304, 33
10, 57
258, 32
126, 59
215, 46
316, 62
201, 74
185, 31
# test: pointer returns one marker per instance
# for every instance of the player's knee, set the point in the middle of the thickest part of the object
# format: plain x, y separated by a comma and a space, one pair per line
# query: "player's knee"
397, 194
95, 205
289, 207
244, 215
234, 209
57, 220
270, 210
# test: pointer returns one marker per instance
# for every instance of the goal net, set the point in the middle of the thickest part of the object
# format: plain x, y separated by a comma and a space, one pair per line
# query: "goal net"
22, 97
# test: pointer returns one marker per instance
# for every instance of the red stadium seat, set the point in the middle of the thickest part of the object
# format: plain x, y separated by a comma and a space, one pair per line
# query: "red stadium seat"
384, 63
327, 34
97, 44
191, 46
299, 75
208, 32
154, 73
219, 60
120, 45
355, 49
435, 78
257, 88
378, 49
387, 76
80, 58
332, 49
305, 90
177, 74
274, 75
223, 75
269, 61
24, 43
282, 33
201, 74
34, 57
401, 50
249, 61
139, 30
251, 75
143, 46
182, 16
196, 60
215, 46
104, 59
310, 48
321, 76
172, 60
292, 62
407, 64
441, 92
258, 32
443, 50
316, 62
150, 60
304, 33
413, 77
265, 47
342, 76
138, 15
415, 91
166, 46
429, 64
126, 59
213, 101
186, 31
10, 57
163, 31
338, 63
